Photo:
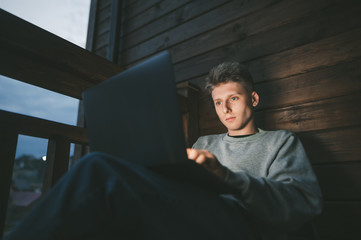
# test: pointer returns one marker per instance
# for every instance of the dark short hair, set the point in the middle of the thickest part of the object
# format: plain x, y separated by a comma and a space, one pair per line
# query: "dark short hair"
229, 72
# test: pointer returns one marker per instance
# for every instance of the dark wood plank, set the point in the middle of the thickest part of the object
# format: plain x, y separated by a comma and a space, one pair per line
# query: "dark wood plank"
338, 80
102, 43
104, 9
138, 7
339, 220
158, 23
333, 20
325, 114
104, 25
36, 56
323, 53
103, 30
104, 4
34, 71
42, 128
129, 2
323, 83
8, 143
270, 30
333, 145
153, 14
205, 22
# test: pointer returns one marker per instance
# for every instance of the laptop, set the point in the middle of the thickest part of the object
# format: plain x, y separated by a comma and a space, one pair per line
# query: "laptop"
135, 116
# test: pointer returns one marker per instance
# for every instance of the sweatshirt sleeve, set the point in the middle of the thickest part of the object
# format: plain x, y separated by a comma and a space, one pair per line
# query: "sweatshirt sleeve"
289, 196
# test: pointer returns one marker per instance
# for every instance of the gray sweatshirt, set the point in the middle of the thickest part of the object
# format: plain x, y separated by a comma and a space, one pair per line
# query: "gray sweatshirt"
271, 169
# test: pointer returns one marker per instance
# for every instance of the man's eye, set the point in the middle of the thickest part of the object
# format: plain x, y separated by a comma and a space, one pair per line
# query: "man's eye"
234, 98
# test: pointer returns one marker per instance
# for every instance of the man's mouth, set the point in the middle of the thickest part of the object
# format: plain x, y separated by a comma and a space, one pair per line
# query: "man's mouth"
229, 119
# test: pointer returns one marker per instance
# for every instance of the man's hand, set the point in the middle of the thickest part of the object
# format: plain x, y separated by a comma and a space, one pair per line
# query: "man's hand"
207, 160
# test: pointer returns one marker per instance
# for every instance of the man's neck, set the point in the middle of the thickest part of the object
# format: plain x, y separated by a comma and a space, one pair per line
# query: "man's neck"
243, 132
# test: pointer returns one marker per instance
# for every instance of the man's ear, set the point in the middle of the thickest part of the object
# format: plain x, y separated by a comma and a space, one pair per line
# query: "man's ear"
255, 98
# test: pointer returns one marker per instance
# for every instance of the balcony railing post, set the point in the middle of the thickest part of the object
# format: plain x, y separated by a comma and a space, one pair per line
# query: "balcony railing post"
57, 161
8, 142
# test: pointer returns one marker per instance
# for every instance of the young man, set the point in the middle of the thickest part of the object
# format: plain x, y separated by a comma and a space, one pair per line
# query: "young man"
103, 197
276, 183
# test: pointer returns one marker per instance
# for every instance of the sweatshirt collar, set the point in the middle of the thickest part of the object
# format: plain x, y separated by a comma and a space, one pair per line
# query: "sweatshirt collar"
254, 136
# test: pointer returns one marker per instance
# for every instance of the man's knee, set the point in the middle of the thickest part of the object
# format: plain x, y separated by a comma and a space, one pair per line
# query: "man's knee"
97, 159
101, 162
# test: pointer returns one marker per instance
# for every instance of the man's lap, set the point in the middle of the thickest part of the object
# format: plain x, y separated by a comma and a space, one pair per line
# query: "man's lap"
108, 194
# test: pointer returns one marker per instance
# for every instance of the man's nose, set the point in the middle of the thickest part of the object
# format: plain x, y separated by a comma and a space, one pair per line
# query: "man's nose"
226, 107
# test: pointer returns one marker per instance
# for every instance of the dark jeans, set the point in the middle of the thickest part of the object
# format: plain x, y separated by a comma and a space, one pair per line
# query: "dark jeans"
103, 197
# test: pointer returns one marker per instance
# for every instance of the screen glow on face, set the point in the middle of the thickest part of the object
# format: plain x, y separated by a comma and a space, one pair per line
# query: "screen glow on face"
234, 107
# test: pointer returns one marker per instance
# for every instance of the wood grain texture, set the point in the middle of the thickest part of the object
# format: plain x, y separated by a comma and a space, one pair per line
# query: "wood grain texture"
333, 145
297, 60
323, 83
269, 30
163, 18
192, 28
162, 10
139, 6
38, 57
42, 128
318, 115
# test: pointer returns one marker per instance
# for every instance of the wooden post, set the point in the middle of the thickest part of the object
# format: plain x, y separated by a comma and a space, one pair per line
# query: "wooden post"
80, 149
188, 101
57, 161
8, 143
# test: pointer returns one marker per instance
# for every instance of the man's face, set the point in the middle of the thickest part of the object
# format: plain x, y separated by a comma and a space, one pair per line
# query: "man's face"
234, 107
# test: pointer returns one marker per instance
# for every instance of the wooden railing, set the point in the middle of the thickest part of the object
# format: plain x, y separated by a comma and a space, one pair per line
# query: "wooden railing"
35, 56
59, 136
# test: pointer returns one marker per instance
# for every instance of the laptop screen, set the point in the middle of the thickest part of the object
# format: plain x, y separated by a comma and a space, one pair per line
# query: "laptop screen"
135, 114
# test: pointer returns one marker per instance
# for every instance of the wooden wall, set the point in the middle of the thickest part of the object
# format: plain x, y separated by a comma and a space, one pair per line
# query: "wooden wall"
305, 57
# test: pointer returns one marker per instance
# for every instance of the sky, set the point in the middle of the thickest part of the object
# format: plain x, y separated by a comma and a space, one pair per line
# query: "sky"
67, 19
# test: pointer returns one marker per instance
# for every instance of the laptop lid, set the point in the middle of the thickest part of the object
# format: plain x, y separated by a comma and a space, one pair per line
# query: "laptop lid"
135, 114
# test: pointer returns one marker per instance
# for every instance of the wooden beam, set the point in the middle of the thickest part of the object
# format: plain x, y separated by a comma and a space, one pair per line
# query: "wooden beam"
33, 55
333, 145
42, 128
